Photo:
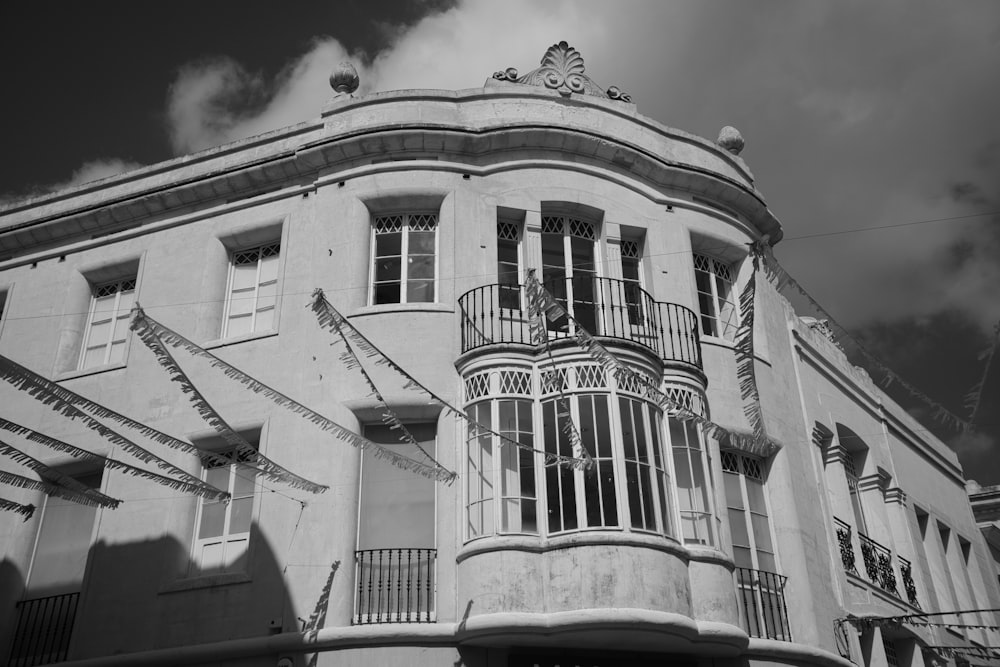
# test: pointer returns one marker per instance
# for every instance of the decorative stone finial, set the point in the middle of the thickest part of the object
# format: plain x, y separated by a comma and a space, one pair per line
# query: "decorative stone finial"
562, 70
731, 139
344, 78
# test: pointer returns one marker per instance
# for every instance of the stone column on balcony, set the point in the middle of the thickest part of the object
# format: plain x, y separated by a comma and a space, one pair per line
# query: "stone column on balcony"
895, 502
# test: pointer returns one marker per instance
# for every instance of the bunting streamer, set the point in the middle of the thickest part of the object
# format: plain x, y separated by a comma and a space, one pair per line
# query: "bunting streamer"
27, 511
389, 417
951, 652
545, 303
21, 482
65, 402
744, 350
975, 395
174, 339
780, 278
326, 314
245, 452
56, 484
91, 457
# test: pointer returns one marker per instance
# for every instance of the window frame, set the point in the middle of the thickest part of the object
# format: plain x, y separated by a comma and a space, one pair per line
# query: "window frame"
240, 563
710, 512
114, 316
566, 292
712, 323
227, 315
631, 251
506, 228
404, 254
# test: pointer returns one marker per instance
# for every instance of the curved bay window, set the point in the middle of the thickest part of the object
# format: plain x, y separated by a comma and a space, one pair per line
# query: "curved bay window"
511, 490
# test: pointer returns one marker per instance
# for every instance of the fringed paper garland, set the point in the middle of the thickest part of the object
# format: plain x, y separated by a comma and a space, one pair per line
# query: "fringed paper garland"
174, 339
975, 395
65, 402
545, 303
744, 350
389, 417
325, 314
49, 489
91, 457
56, 484
246, 453
780, 278
27, 511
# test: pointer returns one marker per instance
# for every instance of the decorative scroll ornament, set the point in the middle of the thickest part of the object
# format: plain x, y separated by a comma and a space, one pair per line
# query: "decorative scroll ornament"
326, 314
27, 511
245, 452
562, 70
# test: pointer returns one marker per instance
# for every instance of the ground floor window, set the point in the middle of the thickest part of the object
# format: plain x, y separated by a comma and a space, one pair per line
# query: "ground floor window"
511, 490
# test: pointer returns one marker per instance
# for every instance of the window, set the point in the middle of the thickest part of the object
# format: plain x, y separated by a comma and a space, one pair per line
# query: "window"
511, 490
743, 477
691, 465
224, 527
509, 264
714, 282
633, 283
252, 294
107, 324
404, 252
569, 268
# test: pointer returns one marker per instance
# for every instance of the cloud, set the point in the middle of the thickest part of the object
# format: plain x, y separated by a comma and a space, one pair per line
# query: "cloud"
92, 170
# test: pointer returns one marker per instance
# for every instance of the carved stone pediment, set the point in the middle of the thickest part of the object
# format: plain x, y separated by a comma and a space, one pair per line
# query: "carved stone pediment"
562, 69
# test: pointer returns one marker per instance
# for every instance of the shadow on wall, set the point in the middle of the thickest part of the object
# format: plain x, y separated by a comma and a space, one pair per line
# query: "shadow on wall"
148, 595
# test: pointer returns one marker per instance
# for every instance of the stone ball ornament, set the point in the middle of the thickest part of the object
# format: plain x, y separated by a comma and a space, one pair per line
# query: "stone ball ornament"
344, 78
731, 139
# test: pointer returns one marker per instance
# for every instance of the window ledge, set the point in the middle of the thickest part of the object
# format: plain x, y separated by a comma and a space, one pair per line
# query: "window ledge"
403, 308
70, 375
236, 340
206, 581
590, 538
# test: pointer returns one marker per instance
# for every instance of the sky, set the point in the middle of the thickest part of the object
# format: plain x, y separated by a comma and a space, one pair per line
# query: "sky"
871, 128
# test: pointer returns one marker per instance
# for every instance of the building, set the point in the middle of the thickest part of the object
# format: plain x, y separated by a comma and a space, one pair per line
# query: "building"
420, 213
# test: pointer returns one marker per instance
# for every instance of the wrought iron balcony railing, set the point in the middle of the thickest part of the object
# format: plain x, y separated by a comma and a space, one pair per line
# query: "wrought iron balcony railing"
395, 586
906, 570
43, 628
762, 603
846, 547
878, 564
604, 307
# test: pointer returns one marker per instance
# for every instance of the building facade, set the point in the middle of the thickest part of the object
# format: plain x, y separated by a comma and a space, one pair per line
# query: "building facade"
421, 214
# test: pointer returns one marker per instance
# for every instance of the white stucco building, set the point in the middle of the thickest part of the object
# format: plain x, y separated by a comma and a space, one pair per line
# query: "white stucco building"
419, 213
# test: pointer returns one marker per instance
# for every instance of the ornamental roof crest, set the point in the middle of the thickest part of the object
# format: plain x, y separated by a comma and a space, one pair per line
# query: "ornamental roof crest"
562, 70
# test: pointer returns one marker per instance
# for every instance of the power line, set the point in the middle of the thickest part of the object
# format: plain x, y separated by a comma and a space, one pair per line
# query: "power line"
858, 230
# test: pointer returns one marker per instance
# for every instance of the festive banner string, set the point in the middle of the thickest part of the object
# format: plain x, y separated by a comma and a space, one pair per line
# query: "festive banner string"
91, 457
744, 350
174, 339
780, 277
56, 483
545, 303
27, 511
65, 402
389, 417
326, 314
244, 451
975, 395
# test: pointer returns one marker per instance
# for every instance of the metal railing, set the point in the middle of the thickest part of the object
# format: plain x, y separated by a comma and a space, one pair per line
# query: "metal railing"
846, 547
395, 586
906, 570
878, 564
762, 603
606, 307
43, 629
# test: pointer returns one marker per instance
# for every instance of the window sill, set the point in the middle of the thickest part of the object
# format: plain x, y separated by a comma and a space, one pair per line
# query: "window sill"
403, 308
206, 581
236, 340
538, 544
71, 375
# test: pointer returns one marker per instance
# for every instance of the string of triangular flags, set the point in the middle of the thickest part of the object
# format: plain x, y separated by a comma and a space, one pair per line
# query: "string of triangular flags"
952, 652
72, 405
326, 315
171, 338
389, 417
542, 302
778, 276
975, 396
244, 452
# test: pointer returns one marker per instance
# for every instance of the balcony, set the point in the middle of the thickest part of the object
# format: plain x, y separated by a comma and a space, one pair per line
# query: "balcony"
394, 586
43, 629
878, 563
762, 604
605, 307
